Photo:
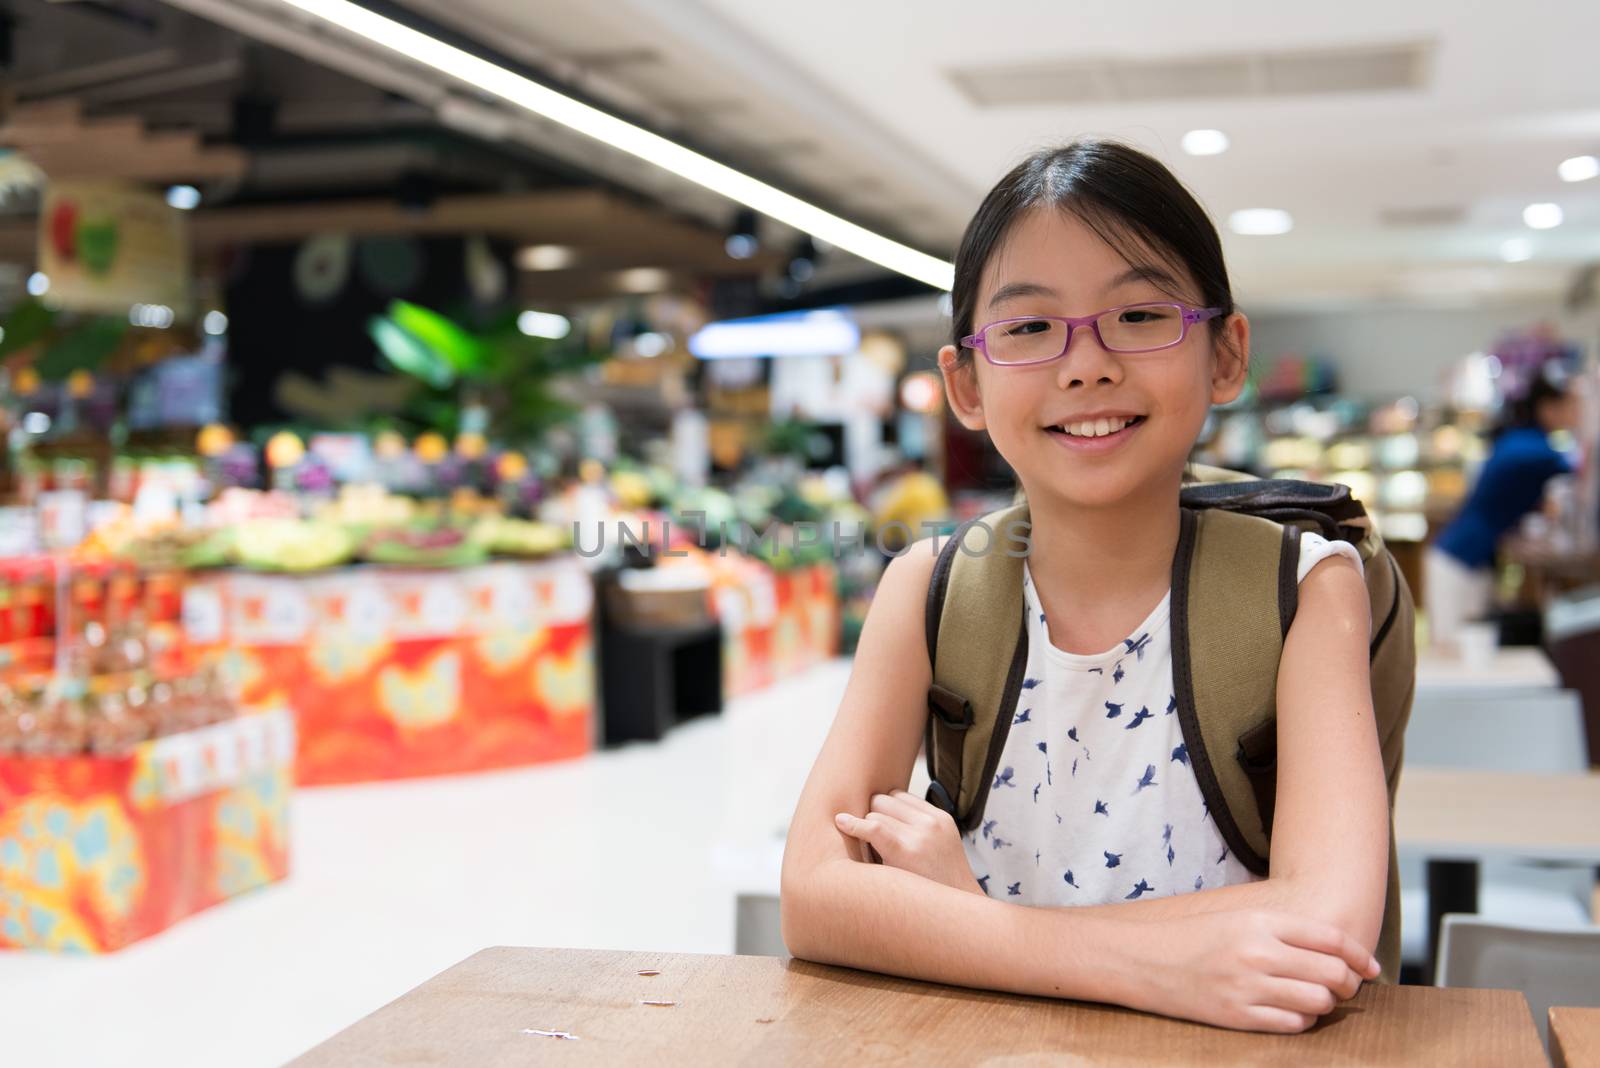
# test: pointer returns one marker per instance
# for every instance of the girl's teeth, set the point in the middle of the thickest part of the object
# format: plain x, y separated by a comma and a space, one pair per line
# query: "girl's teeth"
1097, 429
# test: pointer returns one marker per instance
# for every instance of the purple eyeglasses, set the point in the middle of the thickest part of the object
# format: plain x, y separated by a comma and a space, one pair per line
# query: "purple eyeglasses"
1146, 327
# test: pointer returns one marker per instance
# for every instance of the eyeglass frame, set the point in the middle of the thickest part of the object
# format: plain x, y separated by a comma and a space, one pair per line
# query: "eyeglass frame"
1190, 317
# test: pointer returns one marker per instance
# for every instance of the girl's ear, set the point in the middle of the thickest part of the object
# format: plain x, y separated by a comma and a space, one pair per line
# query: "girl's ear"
961, 387
1230, 368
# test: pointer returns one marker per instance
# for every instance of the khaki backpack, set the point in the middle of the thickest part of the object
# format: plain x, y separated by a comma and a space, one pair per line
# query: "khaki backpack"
1234, 593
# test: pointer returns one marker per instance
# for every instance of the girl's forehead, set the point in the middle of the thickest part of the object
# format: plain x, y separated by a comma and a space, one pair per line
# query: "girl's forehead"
1057, 249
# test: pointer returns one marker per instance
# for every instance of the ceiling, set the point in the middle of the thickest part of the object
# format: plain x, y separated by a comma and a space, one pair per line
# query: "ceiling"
880, 110
1405, 139
284, 146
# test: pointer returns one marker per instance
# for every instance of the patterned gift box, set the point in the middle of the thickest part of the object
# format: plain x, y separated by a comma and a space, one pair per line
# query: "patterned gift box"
98, 852
394, 674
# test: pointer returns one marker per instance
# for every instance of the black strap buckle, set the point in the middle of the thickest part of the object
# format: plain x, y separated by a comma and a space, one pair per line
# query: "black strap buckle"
940, 797
950, 708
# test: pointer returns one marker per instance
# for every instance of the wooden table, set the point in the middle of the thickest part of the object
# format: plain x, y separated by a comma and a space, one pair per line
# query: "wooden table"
486, 1011
1471, 815
1574, 1037
1459, 818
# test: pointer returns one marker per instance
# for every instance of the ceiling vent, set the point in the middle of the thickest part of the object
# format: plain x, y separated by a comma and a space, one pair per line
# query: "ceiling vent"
1251, 75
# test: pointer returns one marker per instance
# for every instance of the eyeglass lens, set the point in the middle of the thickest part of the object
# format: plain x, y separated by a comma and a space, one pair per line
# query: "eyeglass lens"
1134, 329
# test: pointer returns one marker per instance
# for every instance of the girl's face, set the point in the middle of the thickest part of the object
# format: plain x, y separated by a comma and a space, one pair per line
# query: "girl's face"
1051, 263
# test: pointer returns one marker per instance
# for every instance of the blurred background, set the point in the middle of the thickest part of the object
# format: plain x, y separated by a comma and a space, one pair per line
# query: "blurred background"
340, 341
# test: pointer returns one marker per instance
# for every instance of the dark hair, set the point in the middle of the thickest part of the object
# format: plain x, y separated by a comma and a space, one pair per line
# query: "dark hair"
1125, 196
1549, 382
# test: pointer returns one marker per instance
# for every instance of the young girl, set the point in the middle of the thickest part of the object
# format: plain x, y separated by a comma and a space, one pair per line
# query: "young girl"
1097, 417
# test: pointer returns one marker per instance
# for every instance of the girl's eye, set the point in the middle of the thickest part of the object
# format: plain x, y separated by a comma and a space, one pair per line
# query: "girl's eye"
1032, 326
1139, 316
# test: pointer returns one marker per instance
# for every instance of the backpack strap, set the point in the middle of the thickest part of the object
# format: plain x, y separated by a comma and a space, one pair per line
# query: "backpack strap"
1234, 594
976, 590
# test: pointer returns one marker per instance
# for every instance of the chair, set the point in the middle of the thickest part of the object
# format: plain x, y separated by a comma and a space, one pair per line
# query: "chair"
1572, 635
1550, 966
1537, 730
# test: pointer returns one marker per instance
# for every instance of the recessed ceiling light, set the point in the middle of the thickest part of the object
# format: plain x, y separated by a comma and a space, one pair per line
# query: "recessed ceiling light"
183, 197
1205, 142
1516, 250
416, 47
1543, 216
546, 258
1260, 221
644, 280
215, 323
1579, 168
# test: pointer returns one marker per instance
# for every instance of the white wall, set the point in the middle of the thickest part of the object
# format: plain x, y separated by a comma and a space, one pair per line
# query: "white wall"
1383, 352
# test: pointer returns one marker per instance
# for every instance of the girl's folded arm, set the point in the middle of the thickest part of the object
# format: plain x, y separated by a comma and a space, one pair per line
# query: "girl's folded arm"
1330, 845
839, 911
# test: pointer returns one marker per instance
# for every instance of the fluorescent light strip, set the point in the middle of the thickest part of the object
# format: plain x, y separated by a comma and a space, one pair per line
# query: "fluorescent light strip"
652, 148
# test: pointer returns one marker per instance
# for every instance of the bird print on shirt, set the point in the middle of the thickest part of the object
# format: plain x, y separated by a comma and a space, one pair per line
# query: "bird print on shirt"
983, 883
1146, 765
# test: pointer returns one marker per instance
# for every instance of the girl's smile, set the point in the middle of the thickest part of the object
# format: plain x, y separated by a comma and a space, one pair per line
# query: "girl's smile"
1095, 433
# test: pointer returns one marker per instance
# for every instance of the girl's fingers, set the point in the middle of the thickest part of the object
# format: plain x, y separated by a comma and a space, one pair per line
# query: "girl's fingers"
1277, 1021
1299, 996
1325, 938
1327, 971
876, 829
896, 806
921, 804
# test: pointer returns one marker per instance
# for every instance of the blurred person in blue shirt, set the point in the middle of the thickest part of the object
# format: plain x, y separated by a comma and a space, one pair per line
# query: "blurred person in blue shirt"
1460, 575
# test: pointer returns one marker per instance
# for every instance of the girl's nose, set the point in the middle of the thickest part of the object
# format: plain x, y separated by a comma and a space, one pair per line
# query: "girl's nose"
1086, 361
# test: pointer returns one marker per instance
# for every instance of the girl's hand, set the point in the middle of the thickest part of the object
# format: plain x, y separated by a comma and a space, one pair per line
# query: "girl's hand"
1251, 970
908, 833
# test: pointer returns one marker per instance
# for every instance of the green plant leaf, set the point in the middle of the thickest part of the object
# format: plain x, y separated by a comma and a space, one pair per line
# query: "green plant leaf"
27, 322
410, 355
82, 348
463, 352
